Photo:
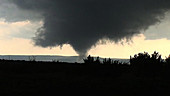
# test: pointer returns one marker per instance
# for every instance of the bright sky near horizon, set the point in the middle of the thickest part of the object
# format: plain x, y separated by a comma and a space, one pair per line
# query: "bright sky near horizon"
16, 38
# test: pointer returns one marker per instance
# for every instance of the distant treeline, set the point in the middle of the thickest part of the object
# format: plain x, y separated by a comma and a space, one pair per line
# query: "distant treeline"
141, 63
97, 60
143, 58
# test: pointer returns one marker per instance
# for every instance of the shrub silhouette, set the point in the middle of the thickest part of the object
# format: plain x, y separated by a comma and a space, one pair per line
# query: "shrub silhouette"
105, 61
143, 63
91, 60
167, 59
97, 61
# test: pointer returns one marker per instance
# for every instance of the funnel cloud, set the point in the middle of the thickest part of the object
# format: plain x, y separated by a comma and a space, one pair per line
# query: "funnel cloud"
82, 23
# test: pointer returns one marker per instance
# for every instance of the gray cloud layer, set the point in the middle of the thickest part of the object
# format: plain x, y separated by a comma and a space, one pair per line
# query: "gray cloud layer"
12, 13
82, 23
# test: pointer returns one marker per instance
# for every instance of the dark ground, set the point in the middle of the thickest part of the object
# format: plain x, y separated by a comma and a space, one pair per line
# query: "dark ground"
21, 78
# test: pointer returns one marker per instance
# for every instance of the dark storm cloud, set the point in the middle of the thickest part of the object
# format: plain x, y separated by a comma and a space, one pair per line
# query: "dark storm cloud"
82, 23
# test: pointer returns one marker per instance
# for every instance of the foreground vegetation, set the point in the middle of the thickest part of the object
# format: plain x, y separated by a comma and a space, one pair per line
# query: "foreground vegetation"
145, 75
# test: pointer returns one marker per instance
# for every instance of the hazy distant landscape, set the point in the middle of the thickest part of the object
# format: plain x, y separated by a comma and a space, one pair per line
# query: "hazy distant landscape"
71, 59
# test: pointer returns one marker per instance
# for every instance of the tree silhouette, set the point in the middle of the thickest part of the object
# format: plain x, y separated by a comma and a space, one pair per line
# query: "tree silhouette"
168, 59
143, 63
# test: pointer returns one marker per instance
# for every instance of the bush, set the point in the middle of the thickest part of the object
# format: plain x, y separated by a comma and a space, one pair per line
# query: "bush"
144, 63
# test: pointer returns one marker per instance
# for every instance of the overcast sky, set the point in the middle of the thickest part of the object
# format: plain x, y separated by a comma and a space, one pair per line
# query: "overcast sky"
30, 27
